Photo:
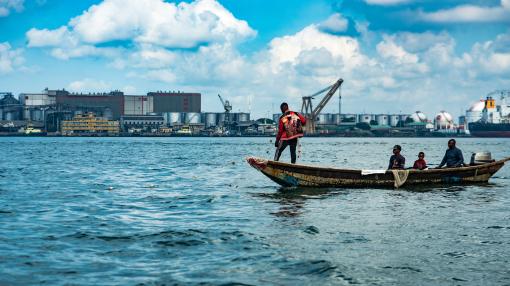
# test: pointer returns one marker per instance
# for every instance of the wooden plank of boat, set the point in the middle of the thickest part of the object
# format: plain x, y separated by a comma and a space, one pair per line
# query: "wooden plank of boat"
289, 175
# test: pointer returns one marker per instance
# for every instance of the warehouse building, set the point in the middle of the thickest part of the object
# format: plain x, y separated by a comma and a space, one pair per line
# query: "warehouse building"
165, 101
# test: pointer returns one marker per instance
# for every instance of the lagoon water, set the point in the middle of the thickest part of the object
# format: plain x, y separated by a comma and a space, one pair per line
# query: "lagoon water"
154, 211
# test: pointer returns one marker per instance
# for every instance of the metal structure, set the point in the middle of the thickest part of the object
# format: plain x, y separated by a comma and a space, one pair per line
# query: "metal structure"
228, 107
312, 113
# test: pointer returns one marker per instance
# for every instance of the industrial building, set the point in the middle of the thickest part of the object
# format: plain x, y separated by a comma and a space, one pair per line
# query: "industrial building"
166, 101
141, 123
10, 107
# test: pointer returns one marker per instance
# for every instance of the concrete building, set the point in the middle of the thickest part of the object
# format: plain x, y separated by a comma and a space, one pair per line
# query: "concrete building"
164, 101
141, 122
138, 104
108, 105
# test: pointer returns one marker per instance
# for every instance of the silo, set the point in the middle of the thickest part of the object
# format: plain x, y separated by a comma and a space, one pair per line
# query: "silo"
172, 118
192, 118
366, 118
243, 117
221, 118
210, 119
382, 119
336, 118
394, 118
323, 119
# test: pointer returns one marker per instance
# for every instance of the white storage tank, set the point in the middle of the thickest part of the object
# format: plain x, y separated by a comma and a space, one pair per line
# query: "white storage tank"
443, 120
210, 119
394, 119
382, 119
323, 119
336, 118
172, 118
192, 118
243, 117
365, 118
419, 116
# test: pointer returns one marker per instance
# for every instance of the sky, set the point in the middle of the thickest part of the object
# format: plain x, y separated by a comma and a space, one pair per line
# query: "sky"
395, 56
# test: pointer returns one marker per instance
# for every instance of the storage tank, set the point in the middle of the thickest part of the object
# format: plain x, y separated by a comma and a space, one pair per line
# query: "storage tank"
419, 116
172, 118
475, 111
443, 120
365, 118
394, 118
210, 119
192, 118
336, 118
382, 119
243, 117
323, 119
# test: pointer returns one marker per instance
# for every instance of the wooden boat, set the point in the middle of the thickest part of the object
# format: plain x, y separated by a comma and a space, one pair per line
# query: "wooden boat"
290, 175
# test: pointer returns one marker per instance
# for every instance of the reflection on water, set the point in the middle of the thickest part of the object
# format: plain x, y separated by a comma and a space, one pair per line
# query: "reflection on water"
127, 211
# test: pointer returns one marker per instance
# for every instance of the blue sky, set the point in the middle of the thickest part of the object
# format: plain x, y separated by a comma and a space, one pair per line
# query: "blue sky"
394, 55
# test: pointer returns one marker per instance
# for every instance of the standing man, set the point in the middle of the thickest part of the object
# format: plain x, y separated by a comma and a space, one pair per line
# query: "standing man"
453, 157
397, 161
290, 128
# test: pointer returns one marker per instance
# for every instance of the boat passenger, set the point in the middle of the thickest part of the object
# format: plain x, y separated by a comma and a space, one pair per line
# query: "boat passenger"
420, 164
453, 157
397, 161
290, 128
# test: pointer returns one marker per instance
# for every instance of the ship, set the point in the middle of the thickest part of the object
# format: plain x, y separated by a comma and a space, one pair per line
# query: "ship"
495, 119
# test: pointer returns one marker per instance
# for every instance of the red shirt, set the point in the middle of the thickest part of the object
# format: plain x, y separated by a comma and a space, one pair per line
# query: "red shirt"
420, 164
282, 135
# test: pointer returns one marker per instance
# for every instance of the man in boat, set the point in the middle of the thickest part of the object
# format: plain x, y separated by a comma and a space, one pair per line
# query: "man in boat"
420, 164
397, 161
290, 128
453, 157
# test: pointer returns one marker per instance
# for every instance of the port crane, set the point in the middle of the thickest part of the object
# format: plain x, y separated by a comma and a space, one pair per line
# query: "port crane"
228, 107
312, 113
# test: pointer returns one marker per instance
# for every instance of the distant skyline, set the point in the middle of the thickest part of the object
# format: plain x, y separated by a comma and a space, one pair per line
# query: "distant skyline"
395, 56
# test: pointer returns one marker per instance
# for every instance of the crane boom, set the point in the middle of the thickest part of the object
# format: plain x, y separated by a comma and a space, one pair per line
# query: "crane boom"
313, 113
221, 99
327, 97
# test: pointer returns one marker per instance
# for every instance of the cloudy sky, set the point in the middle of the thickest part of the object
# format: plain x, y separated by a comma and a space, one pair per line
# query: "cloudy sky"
394, 55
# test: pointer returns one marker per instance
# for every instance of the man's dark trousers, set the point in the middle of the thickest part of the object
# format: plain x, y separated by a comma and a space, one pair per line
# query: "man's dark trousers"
293, 144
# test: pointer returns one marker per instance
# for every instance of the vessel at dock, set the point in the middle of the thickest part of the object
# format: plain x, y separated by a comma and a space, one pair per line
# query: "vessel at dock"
495, 118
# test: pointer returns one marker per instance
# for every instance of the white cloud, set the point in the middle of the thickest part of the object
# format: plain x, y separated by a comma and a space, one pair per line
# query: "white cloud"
7, 5
146, 24
288, 49
10, 59
336, 23
469, 14
89, 85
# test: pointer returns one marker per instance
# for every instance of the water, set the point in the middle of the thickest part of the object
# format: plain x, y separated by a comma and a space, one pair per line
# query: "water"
152, 211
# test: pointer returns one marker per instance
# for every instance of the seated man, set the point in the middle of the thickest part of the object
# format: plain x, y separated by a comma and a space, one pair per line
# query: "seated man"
397, 161
453, 157
420, 164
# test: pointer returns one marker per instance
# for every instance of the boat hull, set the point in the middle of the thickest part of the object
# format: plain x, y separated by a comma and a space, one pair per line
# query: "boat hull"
289, 175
